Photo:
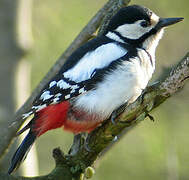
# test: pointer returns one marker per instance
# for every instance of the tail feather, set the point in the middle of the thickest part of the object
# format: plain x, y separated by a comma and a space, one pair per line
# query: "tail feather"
51, 117
22, 151
28, 126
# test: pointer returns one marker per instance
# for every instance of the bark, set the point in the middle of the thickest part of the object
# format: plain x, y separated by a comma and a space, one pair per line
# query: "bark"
76, 164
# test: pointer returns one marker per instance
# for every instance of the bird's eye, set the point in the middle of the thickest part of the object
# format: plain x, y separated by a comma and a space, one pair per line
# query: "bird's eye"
144, 24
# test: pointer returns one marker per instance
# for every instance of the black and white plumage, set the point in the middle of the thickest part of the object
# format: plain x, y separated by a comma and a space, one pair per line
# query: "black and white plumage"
100, 76
128, 45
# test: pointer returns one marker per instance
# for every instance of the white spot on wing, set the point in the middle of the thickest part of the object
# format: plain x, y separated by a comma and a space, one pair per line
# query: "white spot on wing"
46, 95
72, 91
58, 95
75, 86
82, 90
39, 107
99, 58
63, 85
67, 96
55, 100
26, 114
52, 84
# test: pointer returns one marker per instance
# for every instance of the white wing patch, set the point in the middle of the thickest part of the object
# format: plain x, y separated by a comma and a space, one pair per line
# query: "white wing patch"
97, 59
55, 100
46, 95
52, 84
62, 84
57, 95
39, 107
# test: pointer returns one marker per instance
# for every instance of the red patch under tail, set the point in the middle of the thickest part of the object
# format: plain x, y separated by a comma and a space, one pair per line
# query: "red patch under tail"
51, 117
56, 116
80, 121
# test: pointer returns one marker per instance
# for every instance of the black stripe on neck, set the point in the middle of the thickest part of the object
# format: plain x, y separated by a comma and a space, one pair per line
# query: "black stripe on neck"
136, 42
148, 55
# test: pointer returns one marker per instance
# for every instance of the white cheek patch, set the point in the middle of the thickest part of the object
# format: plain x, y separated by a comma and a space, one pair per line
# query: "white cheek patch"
133, 31
97, 59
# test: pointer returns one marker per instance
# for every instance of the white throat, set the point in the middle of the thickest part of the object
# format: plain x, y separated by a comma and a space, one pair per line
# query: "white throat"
151, 43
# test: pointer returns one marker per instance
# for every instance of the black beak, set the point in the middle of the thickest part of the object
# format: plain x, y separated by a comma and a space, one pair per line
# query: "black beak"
163, 22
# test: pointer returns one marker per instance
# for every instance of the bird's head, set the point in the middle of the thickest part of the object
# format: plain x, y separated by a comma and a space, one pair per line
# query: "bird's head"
139, 26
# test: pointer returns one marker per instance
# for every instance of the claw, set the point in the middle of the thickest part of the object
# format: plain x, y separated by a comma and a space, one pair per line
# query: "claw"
117, 112
86, 143
148, 89
80, 140
113, 116
76, 145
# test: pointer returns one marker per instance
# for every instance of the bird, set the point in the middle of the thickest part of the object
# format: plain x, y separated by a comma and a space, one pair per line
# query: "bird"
100, 76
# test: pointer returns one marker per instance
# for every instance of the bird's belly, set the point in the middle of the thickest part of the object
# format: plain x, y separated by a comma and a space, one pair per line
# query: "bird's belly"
123, 85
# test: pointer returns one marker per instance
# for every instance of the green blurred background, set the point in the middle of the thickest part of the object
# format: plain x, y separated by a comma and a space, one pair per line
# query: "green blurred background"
157, 150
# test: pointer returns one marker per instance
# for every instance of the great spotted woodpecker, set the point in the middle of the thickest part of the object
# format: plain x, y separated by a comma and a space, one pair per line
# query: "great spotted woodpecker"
103, 74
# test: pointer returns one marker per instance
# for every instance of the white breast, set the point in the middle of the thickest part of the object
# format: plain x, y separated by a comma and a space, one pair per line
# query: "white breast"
123, 85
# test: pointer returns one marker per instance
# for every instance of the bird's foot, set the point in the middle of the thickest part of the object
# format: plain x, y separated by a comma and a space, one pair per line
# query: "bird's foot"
86, 142
117, 112
80, 140
147, 90
76, 145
